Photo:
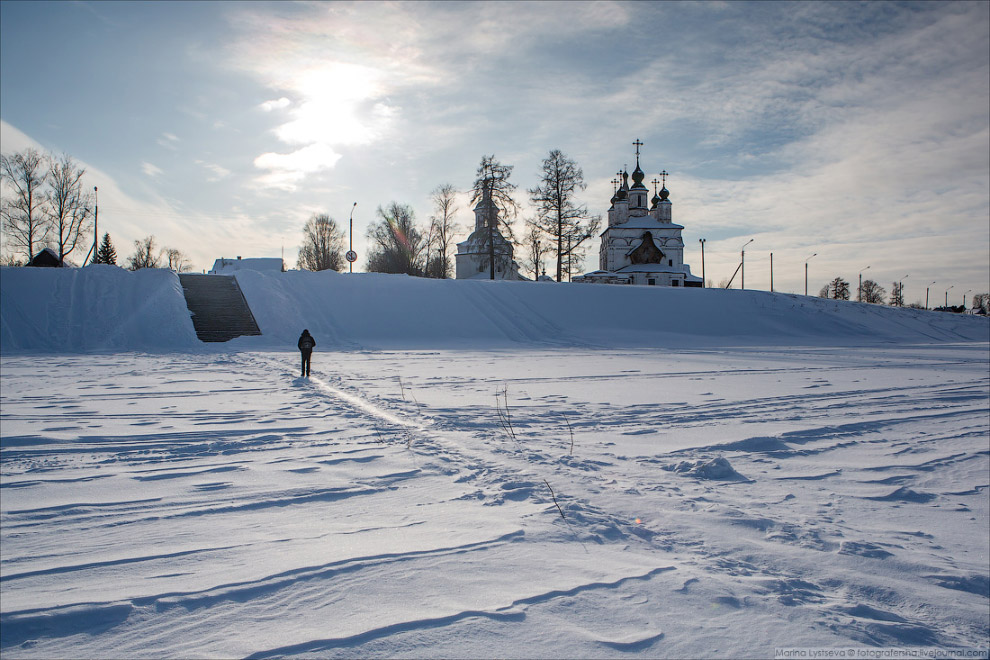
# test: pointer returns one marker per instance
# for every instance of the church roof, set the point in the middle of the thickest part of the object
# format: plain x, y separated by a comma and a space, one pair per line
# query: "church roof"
646, 222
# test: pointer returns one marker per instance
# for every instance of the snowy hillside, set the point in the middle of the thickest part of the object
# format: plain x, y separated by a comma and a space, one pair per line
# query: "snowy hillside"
102, 308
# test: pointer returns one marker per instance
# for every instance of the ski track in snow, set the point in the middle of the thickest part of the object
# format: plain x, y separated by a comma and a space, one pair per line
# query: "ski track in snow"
214, 505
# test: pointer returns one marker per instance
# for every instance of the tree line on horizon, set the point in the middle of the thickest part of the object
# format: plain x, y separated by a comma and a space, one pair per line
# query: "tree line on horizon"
871, 292
559, 229
48, 208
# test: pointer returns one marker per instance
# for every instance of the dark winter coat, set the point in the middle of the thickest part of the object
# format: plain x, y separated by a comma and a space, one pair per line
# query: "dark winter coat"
306, 342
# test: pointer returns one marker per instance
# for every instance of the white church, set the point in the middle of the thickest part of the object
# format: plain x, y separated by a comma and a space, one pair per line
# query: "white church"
473, 258
641, 244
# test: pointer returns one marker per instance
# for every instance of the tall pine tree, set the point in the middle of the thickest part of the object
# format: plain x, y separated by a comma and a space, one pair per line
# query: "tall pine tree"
106, 254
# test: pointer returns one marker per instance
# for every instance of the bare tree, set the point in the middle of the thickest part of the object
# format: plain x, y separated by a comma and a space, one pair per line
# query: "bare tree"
397, 244
177, 261
536, 246
323, 244
442, 229
558, 214
492, 187
145, 255
69, 209
981, 301
872, 292
22, 211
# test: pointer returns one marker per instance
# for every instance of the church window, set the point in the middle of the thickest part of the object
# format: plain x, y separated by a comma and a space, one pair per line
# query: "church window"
675, 283
670, 262
651, 282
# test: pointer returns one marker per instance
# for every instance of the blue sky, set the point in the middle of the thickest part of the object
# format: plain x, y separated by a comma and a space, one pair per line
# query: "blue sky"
860, 132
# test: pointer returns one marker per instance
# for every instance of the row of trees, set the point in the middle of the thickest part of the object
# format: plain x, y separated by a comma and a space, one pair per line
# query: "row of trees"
560, 227
871, 292
45, 204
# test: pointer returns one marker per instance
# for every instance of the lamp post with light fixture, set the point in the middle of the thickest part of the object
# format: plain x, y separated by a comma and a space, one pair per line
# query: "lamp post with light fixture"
742, 265
351, 254
859, 296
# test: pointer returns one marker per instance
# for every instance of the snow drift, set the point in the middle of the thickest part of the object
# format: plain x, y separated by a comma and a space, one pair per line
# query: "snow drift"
97, 308
105, 308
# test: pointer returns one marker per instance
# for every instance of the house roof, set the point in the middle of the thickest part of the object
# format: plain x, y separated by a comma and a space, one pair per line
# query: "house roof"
223, 265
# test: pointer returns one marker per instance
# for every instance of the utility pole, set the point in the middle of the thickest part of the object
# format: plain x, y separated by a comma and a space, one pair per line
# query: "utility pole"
703, 280
95, 250
806, 272
926, 294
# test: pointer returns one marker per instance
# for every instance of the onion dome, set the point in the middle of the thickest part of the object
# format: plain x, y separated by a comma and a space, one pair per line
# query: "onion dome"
623, 191
655, 200
638, 175
664, 194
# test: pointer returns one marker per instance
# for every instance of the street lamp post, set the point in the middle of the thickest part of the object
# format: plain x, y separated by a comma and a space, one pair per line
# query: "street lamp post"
350, 232
703, 280
742, 264
96, 222
964, 299
926, 294
859, 296
902, 287
947, 295
806, 272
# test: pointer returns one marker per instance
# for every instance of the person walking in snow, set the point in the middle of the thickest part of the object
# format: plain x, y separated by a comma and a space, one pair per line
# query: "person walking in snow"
306, 344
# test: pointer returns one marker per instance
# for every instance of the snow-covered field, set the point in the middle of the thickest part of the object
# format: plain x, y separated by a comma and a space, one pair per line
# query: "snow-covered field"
710, 501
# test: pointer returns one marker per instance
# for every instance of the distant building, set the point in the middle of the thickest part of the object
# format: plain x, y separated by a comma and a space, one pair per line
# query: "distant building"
641, 244
45, 259
230, 266
473, 259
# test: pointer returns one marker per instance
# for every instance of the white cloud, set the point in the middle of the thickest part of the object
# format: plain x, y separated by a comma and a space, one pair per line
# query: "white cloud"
168, 141
287, 170
150, 169
277, 104
219, 172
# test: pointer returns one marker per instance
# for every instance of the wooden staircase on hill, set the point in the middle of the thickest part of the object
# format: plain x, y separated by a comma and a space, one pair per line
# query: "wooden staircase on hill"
219, 310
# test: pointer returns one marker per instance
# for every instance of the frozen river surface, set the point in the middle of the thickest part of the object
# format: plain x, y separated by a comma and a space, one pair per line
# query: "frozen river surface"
511, 503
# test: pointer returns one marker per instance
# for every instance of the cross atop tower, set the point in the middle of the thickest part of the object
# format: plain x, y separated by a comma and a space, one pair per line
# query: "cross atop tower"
654, 182
664, 175
637, 144
615, 185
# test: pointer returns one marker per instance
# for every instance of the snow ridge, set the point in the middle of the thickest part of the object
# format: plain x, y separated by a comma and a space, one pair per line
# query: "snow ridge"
104, 308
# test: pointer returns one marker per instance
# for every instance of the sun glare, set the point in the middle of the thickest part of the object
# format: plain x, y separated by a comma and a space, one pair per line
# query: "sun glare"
339, 105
